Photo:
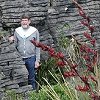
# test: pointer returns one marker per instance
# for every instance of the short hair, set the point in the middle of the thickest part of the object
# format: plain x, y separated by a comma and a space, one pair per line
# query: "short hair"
25, 16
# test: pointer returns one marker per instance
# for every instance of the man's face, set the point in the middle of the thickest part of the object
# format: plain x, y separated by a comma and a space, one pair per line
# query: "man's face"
25, 23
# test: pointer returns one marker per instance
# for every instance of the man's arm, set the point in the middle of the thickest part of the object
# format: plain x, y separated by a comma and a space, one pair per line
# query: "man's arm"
37, 52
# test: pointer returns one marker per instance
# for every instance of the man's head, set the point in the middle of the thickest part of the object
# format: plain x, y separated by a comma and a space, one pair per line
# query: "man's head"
25, 21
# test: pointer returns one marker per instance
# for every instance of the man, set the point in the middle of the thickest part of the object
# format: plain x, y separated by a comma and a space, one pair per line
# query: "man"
30, 54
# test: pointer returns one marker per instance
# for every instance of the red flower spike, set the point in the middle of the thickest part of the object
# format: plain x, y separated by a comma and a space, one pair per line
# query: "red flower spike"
85, 23
94, 52
70, 74
88, 50
82, 89
90, 68
93, 78
94, 60
45, 48
60, 55
32, 41
88, 65
91, 28
82, 48
86, 57
81, 13
51, 50
74, 66
94, 96
61, 63
85, 79
52, 54
40, 45
93, 41
66, 74
87, 35
88, 19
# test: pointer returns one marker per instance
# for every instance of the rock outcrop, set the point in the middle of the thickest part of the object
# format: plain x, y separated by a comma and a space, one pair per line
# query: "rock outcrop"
48, 17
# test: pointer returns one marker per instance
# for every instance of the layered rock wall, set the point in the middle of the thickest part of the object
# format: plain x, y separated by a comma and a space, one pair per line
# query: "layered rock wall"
49, 17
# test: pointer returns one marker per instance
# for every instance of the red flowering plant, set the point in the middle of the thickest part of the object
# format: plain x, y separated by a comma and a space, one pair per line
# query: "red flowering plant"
87, 59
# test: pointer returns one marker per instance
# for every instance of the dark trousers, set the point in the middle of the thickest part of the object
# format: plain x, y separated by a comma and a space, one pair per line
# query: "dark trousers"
30, 65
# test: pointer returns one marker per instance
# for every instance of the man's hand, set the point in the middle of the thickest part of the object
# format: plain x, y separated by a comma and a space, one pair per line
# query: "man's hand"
11, 39
37, 64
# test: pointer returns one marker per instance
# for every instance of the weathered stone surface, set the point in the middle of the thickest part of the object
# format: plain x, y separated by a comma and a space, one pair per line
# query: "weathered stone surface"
12, 69
49, 19
12, 10
13, 86
24, 89
1, 93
